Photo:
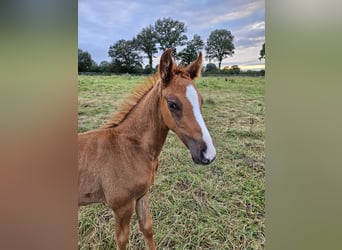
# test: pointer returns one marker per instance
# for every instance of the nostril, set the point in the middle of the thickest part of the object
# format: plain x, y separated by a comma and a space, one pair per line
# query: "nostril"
205, 161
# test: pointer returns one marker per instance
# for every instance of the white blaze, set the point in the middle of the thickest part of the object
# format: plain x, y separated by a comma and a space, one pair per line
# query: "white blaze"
192, 96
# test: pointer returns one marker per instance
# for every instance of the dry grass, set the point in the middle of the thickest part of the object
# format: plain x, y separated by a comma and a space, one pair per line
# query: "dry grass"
220, 206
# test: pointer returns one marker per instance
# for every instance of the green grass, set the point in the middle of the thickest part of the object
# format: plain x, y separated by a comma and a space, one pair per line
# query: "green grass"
220, 206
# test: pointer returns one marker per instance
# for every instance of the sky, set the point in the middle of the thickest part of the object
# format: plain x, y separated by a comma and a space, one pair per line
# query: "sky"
101, 23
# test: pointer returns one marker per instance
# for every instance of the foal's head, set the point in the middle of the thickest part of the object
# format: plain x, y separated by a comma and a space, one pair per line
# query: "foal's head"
181, 107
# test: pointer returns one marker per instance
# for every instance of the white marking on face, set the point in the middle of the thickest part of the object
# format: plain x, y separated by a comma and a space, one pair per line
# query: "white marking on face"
192, 96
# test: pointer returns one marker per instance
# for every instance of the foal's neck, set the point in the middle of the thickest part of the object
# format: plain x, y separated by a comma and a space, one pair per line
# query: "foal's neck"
145, 125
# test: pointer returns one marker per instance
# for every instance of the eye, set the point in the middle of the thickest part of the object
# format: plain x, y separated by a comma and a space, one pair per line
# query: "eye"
172, 106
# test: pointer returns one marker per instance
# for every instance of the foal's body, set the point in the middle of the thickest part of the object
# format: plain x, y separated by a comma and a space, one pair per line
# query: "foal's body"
117, 163
120, 154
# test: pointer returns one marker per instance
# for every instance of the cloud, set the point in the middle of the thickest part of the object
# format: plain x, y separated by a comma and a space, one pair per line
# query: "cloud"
250, 35
256, 26
221, 15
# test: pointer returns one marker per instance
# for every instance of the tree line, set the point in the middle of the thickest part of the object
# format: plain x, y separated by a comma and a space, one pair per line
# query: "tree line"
127, 55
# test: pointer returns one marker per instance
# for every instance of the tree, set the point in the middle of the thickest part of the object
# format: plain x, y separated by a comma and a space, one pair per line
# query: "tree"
262, 52
104, 67
85, 63
219, 45
125, 57
146, 41
169, 34
210, 68
235, 70
189, 53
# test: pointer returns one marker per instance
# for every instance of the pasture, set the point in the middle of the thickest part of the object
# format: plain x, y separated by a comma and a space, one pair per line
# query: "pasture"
219, 206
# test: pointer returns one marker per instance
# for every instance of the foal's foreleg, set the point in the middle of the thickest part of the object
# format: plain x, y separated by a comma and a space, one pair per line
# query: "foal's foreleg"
145, 220
123, 217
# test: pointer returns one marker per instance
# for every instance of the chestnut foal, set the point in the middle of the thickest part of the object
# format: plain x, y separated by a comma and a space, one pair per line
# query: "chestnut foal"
117, 162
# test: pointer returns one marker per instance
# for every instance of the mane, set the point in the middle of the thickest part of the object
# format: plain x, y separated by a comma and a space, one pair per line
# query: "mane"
136, 95
131, 101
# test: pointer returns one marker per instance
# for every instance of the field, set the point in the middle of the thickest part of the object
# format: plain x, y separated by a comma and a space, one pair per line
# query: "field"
219, 206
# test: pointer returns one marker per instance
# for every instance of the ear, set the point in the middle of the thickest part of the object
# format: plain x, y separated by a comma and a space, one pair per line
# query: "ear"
194, 69
165, 66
